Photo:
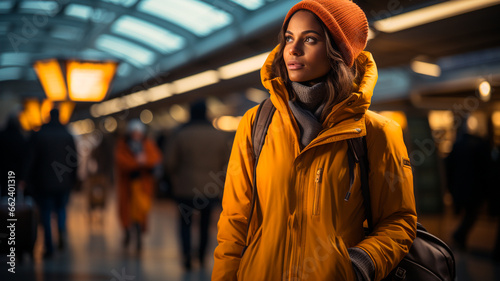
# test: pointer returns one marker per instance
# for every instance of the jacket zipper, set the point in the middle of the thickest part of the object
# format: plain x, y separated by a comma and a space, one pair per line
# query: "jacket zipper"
317, 181
292, 254
288, 259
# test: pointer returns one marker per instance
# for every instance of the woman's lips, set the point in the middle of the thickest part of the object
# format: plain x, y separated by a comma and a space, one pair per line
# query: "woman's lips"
294, 65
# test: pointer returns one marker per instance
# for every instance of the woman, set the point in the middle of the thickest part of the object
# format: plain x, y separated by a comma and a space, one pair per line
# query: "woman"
321, 83
136, 157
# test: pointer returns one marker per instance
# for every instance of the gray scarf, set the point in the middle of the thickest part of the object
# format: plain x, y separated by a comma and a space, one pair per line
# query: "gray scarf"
307, 108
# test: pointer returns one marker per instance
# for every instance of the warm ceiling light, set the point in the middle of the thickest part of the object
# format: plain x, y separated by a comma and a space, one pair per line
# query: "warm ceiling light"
472, 123
430, 14
256, 95
159, 92
180, 86
484, 91
196, 81
227, 123
86, 81
89, 81
179, 113
426, 68
110, 124
440, 119
65, 110
24, 121
371, 34
146, 116
495, 118
82, 127
52, 80
243, 66
398, 116
32, 113
45, 108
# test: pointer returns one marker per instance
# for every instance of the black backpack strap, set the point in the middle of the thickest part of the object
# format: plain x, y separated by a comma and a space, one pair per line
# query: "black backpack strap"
358, 154
261, 123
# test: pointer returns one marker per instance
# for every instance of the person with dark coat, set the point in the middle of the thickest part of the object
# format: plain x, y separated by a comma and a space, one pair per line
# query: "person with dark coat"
12, 148
52, 174
195, 160
468, 181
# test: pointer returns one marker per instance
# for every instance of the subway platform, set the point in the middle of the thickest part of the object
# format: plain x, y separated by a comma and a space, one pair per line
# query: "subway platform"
94, 248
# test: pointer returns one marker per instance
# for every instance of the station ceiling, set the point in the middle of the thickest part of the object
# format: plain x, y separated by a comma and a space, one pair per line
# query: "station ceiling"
157, 41
147, 37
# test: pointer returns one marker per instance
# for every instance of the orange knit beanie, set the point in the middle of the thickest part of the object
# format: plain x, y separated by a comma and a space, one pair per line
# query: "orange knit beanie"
344, 19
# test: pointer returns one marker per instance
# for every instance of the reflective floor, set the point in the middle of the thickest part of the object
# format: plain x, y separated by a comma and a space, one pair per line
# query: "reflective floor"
95, 252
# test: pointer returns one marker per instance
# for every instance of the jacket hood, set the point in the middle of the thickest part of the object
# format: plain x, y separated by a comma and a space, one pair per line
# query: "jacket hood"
357, 103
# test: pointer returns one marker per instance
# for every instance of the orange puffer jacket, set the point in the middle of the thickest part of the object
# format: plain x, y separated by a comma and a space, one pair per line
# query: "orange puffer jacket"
302, 226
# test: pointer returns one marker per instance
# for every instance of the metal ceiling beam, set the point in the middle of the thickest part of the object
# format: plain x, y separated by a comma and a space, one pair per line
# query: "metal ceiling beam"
131, 11
33, 44
238, 12
43, 37
272, 16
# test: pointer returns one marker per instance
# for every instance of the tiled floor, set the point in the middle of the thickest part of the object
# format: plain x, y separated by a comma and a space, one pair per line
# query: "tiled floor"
94, 249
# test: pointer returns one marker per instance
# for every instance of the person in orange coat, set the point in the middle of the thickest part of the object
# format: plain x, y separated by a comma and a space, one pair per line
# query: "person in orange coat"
136, 157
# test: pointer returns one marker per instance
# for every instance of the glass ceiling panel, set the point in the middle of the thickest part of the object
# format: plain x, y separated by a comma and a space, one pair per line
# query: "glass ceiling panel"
78, 11
29, 74
66, 33
4, 27
126, 50
85, 13
5, 6
124, 3
150, 34
10, 73
198, 17
124, 69
250, 4
47, 7
11, 59
92, 53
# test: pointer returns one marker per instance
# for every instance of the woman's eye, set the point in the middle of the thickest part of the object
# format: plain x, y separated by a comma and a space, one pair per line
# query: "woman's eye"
310, 40
288, 39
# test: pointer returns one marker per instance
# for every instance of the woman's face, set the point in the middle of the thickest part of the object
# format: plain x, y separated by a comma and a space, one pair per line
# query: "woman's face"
305, 48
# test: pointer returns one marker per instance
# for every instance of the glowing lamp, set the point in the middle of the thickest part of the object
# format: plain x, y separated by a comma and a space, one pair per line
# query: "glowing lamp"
32, 113
50, 74
77, 81
37, 113
45, 108
65, 110
89, 81
485, 91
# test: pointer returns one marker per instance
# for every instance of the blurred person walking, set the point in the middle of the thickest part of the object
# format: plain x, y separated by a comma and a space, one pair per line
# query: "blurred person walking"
468, 173
52, 174
195, 160
13, 147
493, 206
136, 157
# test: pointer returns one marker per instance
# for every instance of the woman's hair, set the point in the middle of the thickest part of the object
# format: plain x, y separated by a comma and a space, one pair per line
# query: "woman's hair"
339, 80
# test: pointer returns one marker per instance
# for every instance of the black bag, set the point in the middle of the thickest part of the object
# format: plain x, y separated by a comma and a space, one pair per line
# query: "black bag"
429, 258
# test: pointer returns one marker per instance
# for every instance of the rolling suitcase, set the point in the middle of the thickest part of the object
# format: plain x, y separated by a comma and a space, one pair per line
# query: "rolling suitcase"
24, 224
